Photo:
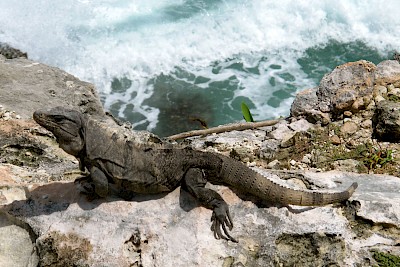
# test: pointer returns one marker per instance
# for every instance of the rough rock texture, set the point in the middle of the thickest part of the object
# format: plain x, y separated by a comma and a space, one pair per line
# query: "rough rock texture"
339, 90
304, 102
11, 52
37, 85
44, 218
387, 72
150, 231
349, 87
16, 247
386, 121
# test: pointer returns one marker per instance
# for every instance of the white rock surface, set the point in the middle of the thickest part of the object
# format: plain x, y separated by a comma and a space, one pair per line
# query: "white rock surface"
173, 231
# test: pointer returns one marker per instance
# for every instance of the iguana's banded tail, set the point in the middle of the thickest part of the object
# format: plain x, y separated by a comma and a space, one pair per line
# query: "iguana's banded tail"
236, 175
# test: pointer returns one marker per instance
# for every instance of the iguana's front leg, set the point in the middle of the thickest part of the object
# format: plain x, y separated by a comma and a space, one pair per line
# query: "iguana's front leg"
85, 184
95, 184
100, 181
194, 182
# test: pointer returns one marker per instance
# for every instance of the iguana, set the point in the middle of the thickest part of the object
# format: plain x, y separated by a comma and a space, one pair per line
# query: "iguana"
116, 162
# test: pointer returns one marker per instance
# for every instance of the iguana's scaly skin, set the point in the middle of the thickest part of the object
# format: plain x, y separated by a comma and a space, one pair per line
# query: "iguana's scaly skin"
117, 162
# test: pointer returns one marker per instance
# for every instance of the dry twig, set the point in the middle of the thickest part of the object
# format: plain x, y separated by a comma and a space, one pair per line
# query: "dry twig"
224, 128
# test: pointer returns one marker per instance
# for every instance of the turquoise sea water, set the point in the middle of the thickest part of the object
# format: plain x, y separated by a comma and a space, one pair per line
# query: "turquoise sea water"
164, 64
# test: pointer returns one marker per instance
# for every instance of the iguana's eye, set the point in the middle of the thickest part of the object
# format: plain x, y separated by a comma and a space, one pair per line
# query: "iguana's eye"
58, 117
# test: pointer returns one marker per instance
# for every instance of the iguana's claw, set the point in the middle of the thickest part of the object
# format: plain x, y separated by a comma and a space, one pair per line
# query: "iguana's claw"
220, 219
85, 185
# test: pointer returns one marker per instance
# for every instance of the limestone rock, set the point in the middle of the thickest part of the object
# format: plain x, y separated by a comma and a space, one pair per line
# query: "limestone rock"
41, 86
17, 249
301, 125
288, 140
346, 165
386, 121
269, 148
335, 140
379, 98
275, 164
345, 84
379, 90
387, 72
348, 87
151, 230
304, 102
11, 52
281, 131
366, 124
349, 128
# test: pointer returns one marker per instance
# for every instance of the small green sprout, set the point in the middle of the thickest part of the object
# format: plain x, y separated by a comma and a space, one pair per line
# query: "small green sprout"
246, 113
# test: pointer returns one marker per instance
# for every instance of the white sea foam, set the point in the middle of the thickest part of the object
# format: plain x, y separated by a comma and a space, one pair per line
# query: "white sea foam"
100, 40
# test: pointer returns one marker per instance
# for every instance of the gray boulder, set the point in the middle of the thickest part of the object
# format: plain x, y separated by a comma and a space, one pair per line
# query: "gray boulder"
36, 85
348, 87
386, 121
10, 52
345, 84
387, 72
305, 101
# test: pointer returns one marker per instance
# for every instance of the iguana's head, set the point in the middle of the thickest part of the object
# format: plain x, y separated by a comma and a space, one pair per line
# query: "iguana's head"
67, 126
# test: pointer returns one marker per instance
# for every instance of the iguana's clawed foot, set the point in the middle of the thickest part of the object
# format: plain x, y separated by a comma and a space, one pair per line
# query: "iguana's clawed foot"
221, 218
85, 186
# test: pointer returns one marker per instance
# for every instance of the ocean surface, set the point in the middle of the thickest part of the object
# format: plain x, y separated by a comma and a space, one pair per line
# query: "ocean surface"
165, 65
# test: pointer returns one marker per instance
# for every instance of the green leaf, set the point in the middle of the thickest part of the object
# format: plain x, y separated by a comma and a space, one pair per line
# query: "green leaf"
246, 113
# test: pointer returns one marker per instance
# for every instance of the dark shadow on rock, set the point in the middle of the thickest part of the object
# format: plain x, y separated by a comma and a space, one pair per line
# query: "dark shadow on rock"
58, 196
299, 210
44, 200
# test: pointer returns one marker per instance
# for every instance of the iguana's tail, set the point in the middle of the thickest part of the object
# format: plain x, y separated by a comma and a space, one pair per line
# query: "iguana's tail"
241, 177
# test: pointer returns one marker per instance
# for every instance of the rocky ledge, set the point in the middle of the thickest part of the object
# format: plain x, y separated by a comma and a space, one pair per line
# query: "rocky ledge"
342, 131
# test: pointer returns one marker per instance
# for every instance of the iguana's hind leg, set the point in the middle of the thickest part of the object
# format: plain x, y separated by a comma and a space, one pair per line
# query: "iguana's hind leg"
194, 182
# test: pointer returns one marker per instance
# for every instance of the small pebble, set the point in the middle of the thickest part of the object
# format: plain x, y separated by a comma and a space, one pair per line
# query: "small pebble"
252, 164
335, 140
379, 98
366, 124
390, 88
347, 113
307, 158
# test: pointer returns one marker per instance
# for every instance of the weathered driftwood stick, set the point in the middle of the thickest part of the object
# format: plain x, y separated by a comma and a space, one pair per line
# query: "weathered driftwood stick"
224, 128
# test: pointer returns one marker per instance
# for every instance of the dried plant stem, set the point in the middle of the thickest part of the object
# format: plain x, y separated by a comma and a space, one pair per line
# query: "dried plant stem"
224, 128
